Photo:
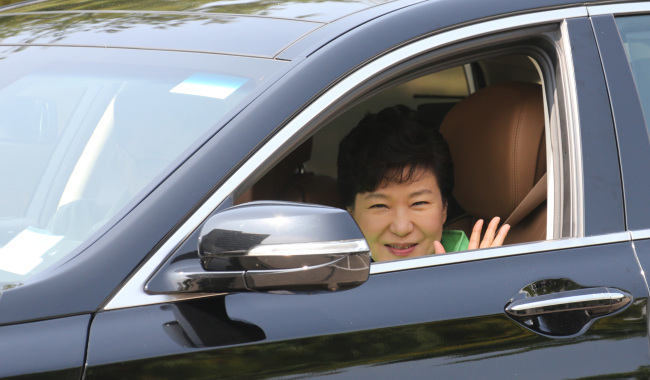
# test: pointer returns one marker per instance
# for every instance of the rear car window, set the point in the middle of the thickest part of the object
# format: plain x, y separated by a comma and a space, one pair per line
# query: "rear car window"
635, 33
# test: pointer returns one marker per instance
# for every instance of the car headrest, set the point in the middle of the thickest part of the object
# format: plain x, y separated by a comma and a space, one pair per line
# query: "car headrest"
496, 140
274, 183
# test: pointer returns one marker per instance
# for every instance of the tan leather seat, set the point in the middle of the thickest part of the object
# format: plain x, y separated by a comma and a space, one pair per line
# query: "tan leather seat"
496, 139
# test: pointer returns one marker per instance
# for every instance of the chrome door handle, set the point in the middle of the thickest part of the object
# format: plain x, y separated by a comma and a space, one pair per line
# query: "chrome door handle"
595, 301
546, 308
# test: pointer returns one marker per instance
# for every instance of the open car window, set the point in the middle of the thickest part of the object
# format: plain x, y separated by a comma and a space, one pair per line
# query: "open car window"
301, 155
490, 112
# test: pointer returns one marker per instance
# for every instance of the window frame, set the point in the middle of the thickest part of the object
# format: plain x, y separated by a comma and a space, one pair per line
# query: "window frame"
631, 130
312, 117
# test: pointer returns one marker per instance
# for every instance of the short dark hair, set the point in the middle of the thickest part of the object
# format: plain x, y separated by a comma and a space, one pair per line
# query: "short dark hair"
379, 149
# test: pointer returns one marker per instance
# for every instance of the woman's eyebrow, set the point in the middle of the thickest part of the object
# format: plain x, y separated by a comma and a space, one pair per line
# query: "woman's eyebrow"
420, 192
375, 195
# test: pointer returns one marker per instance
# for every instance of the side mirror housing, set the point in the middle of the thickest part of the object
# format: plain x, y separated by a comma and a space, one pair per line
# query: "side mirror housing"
277, 246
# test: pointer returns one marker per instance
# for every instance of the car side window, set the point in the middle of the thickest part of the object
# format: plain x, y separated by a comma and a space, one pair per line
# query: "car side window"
491, 113
635, 33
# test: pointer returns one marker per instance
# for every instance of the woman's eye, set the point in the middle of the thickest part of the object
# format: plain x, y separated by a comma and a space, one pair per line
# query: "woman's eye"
420, 203
379, 205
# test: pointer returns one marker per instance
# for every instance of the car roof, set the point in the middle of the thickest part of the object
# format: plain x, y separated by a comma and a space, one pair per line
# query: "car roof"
251, 28
259, 28
310, 10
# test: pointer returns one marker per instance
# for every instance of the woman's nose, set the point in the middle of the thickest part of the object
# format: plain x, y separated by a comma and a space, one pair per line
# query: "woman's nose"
402, 224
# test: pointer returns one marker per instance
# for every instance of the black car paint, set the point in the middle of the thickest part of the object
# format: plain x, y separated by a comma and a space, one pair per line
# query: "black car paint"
455, 328
602, 187
360, 320
631, 131
49, 349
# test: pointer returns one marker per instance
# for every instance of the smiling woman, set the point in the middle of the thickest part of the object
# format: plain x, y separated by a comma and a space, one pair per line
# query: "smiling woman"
396, 178
405, 219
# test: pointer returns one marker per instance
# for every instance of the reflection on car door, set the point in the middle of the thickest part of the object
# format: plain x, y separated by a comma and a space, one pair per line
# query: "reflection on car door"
445, 320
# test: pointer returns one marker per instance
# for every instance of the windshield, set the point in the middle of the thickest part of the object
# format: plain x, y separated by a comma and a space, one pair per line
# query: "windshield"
86, 132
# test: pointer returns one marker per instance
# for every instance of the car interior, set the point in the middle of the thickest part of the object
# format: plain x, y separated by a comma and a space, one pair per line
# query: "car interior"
490, 112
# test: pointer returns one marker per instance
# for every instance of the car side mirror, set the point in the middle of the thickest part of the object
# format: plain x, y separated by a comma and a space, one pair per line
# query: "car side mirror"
277, 246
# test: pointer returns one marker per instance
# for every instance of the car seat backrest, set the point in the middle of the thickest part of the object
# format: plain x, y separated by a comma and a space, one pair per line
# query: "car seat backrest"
497, 143
272, 185
288, 181
313, 188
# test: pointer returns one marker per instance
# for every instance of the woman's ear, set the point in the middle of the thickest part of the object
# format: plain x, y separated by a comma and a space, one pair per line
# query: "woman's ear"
444, 212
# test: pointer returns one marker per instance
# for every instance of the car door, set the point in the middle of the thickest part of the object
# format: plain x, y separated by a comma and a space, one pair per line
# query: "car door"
59, 344
571, 306
623, 38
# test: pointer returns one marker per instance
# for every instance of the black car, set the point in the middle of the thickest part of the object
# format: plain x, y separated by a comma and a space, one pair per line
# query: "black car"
169, 207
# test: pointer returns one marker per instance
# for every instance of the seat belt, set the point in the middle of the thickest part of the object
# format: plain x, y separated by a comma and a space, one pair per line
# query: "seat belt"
534, 198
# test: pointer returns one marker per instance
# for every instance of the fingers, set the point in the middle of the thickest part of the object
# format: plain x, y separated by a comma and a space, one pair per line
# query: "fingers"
475, 238
490, 233
501, 236
494, 236
438, 247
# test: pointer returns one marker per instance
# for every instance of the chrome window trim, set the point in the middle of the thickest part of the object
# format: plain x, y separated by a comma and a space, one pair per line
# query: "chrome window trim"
492, 253
618, 9
574, 146
640, 234
132, 292
553, 214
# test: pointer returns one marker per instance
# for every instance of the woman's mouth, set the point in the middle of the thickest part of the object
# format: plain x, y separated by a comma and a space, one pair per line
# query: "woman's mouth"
401, 249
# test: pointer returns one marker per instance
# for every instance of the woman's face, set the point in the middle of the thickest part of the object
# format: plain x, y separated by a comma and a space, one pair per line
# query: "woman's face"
402, 220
